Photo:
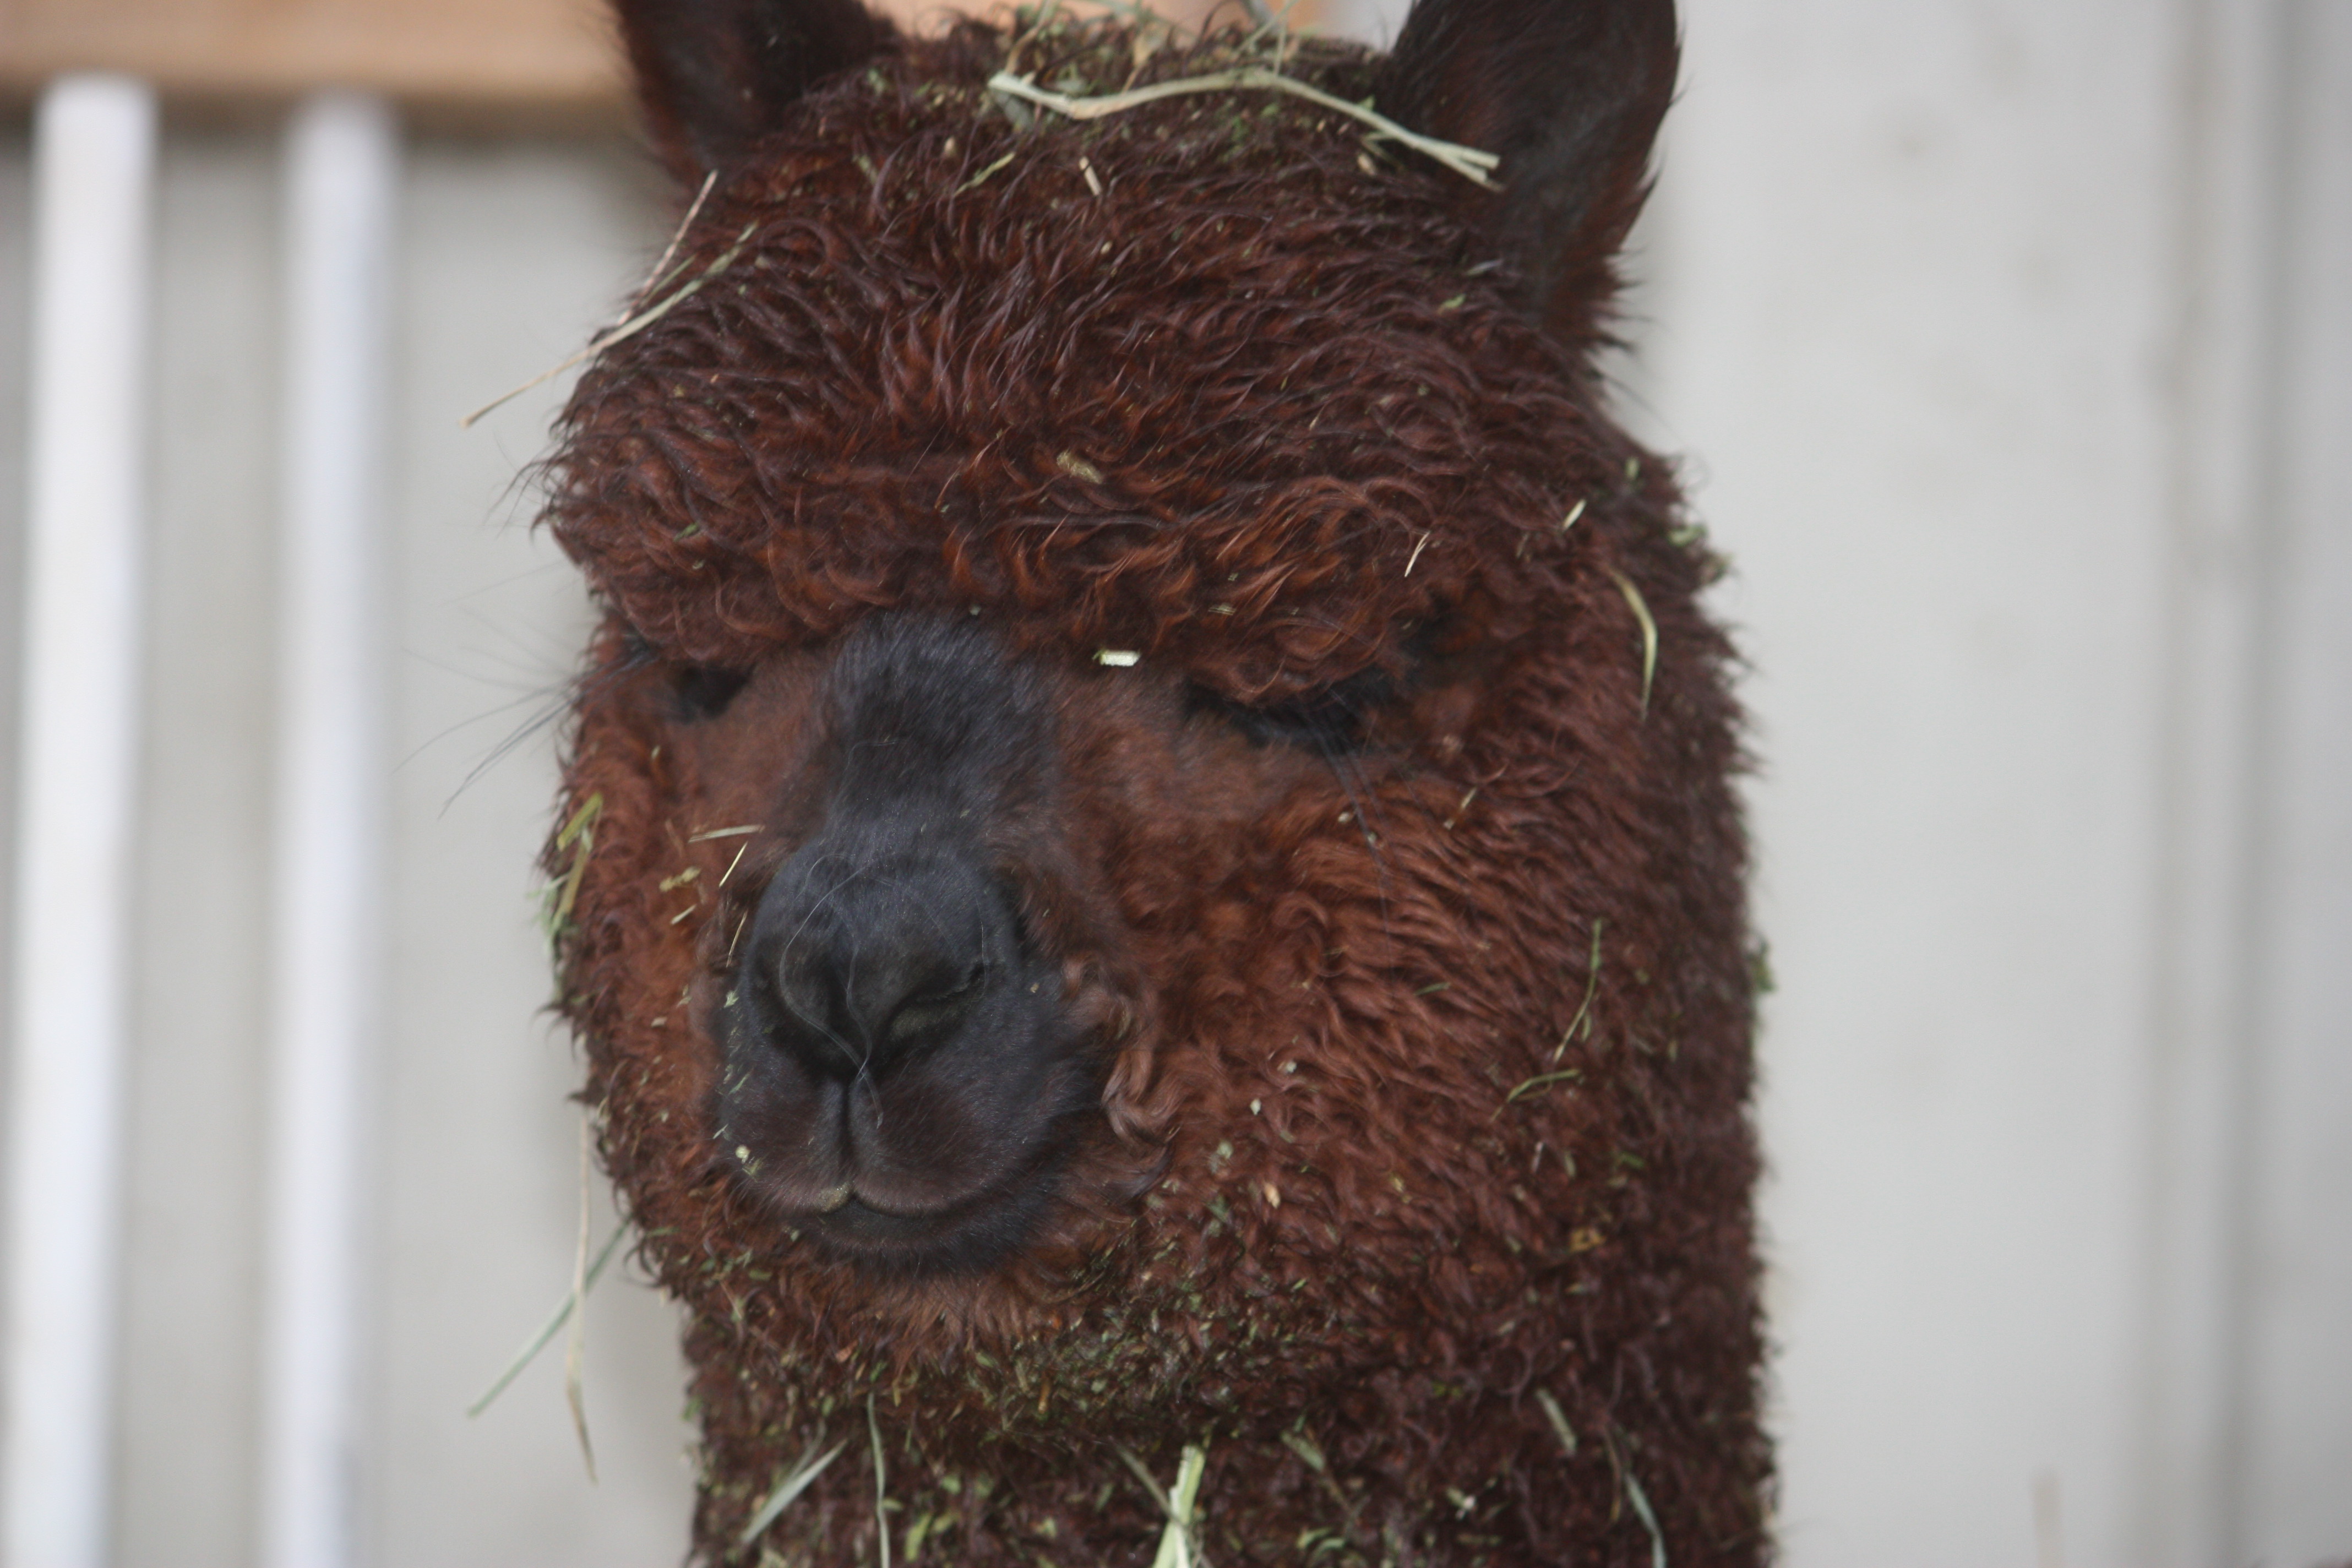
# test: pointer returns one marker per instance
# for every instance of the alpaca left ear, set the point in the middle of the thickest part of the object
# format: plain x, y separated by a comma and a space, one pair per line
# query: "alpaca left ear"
713, 75
1569, 93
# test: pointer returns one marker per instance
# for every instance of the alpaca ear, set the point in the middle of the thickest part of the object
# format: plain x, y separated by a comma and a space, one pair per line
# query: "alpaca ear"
714, 74
1569, 93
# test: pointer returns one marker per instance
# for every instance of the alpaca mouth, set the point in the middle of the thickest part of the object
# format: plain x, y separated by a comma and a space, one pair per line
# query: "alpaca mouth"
968, 1238
941, 1163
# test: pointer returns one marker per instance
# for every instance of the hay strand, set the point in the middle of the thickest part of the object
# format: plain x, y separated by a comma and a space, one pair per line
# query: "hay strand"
881, 1491
1559, 1419
1470, 163
661, 273
579, 836
628, 328
1641, 609
981, 178
575, 1344
789, 1487
554, 1324
1591, 986
1536, 1084
1642, 1510
1151, 1482
1176, 1548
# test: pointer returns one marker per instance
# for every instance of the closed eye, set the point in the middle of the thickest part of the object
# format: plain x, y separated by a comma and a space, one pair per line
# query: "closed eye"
1337, 719
703, 692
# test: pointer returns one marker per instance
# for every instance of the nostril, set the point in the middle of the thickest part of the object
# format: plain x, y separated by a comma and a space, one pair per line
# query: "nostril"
929, 1012
804, 1015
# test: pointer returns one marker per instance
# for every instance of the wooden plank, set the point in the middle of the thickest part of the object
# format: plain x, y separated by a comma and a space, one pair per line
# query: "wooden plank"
543, 55
549, 53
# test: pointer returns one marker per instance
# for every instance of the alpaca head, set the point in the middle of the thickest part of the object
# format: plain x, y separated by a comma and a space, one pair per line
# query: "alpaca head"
1148, 856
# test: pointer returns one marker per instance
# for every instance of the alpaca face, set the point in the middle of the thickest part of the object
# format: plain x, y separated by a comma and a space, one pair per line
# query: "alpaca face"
914, 1010
1148, 853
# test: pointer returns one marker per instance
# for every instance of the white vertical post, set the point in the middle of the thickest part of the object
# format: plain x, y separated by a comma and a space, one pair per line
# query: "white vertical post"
94, 153
2189, 1430
341, 176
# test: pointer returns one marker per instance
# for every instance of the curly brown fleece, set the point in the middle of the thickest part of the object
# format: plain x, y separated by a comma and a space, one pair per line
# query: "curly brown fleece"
1419, 1191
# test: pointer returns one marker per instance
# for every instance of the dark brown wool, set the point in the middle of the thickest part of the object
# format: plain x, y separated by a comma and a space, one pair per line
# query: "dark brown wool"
1391, 906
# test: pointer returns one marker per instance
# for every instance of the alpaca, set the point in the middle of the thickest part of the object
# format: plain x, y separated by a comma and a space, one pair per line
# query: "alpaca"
1150, 877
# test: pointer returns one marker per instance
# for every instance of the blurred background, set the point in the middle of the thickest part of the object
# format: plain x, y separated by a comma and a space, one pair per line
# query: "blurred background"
2007, 348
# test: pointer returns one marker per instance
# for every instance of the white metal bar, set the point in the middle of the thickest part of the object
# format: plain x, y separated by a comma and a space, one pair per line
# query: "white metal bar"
94, 158
2295, 1247
2188, 1412
342, 172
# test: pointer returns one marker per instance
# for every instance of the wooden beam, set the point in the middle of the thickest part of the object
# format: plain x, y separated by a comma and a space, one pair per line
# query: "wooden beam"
553, 56
556, 54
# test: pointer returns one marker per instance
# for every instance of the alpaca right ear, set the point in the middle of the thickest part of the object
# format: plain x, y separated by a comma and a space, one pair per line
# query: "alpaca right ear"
1570, 94
713, 75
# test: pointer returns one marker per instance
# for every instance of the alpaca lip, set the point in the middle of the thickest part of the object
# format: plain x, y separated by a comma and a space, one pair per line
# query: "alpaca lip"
945, 1239
857, 1215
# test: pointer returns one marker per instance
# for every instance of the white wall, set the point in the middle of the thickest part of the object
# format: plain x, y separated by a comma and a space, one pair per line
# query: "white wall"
2011, 345
2002, 334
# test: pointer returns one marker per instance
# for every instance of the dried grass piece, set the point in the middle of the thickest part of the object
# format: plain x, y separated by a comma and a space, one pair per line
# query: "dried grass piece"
575, 1345
1469, 162
1559, 1419
628, 328
554, 1324
789, 1487
1641, 609
1592, 985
